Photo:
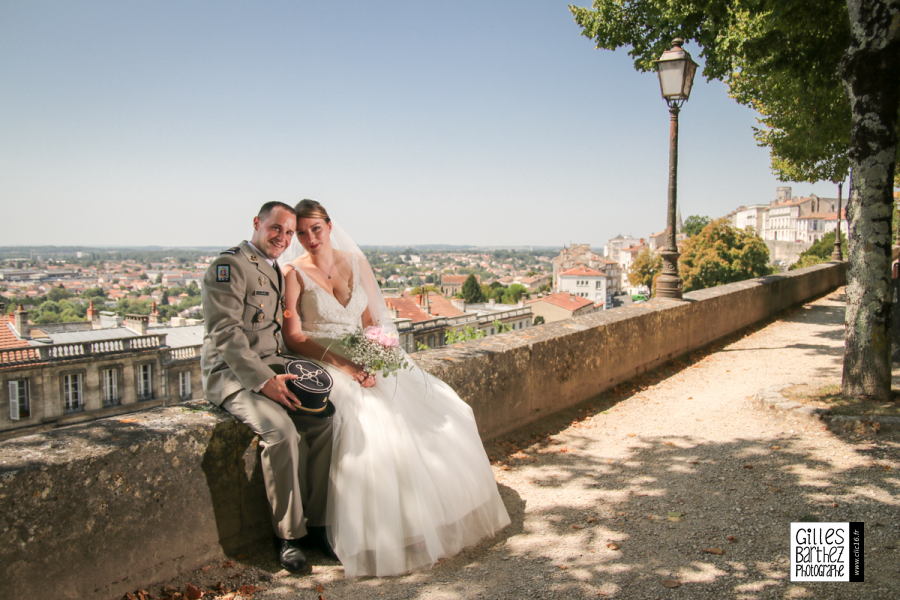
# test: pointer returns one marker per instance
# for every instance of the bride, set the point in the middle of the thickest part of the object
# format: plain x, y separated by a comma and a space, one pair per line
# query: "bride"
410, 482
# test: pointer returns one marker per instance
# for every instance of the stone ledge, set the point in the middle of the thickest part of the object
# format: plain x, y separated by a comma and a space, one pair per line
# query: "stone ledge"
773, 399
97, 509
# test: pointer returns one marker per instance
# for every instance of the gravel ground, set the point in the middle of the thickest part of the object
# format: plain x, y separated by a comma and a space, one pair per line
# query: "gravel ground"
674, 486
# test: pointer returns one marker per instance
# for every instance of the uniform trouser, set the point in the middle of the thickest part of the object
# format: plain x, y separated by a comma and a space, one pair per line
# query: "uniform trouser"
295, 460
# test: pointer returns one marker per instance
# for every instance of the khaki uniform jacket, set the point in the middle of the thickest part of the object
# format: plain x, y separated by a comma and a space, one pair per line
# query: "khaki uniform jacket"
242, 308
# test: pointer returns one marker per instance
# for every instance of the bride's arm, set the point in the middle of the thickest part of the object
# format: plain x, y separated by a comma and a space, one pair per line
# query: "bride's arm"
297, 341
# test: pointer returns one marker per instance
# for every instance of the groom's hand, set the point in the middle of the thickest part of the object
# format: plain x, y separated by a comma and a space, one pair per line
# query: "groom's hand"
276, 389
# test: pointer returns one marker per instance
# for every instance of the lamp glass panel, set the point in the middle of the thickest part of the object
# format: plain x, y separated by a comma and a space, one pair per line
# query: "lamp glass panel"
689, 72
670, 77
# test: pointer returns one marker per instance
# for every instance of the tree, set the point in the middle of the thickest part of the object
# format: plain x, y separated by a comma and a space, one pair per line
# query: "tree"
871, 75
722, 254
514, 293
694, 224
644, 268
59, 293
451, 336
471, 291
819, 252
825, 80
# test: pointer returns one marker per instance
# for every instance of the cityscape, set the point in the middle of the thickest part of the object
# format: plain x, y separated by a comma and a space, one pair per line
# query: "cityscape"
62, 303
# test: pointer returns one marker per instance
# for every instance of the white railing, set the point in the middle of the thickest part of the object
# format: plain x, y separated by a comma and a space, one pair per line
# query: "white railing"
45, 353
185, 353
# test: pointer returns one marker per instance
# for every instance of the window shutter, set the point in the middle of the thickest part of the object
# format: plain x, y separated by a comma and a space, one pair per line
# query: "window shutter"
14, 400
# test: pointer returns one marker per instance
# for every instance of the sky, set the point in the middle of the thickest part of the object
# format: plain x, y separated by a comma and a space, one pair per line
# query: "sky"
478, 122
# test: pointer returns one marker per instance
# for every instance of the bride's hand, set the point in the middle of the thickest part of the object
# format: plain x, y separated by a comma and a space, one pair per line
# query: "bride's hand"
364, 379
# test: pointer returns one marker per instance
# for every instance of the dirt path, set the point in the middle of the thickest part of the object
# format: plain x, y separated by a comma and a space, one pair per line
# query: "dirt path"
677, 487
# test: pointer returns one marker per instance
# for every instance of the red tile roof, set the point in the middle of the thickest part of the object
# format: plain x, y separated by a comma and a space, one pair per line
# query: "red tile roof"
563, 300
581, 271
451, 279
407, 309
441, 307
8, 339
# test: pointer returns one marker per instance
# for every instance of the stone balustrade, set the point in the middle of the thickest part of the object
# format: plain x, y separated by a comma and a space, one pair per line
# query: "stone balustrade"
78, 350
101, 508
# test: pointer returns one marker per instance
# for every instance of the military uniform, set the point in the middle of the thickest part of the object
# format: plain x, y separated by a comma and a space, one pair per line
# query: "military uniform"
243, 307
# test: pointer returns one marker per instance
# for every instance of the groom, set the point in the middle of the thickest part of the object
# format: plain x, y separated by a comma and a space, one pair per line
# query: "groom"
243, 304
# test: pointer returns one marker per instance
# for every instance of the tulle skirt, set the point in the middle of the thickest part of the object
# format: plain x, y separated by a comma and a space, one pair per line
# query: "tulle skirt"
410, 481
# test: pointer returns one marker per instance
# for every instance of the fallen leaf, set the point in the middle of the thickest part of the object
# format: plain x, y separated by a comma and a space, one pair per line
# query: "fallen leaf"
247, 590
582, 526
566, 567
229, 563
193, 592
674, 516
714, 550
671, 583
776, 447
731, 538
612, 546
751, 466
321, 588
594, 519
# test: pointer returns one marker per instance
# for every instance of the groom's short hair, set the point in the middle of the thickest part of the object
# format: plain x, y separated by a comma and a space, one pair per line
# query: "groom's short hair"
268, 207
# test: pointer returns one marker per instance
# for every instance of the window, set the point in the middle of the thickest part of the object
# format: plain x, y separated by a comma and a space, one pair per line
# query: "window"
599, 285
19, 399
110, 383
184, 385
72, 392
145, 381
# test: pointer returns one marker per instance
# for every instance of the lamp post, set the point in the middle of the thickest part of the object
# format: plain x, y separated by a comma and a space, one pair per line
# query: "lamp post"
676, 76
836, 253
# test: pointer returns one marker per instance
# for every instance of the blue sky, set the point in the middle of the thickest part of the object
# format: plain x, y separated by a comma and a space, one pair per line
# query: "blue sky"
466, 122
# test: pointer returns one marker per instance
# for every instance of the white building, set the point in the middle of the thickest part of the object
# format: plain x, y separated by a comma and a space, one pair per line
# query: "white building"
753, 216
584, 282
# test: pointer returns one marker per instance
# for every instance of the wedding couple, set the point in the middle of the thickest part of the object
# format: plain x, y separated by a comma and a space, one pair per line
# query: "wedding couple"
398, 477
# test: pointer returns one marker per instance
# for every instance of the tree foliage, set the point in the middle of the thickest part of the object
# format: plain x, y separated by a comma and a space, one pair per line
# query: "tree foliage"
819, 252
779, 58
451, 336
644, 268
722, 254
694, 224
471, 291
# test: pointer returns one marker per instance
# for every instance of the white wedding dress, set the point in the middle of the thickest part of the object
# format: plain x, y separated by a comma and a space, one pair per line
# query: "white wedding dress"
410, 481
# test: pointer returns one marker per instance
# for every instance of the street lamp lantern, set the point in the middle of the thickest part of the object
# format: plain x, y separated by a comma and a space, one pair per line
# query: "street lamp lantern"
676, 71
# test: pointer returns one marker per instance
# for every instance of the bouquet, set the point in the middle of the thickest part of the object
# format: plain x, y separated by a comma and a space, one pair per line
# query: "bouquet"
375, 349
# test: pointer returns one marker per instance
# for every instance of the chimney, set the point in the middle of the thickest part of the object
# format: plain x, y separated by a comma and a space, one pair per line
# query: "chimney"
154, 314
92, 315
137, 323
21, 323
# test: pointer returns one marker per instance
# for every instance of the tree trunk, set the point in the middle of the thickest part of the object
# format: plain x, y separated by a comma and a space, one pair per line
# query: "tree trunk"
871, 75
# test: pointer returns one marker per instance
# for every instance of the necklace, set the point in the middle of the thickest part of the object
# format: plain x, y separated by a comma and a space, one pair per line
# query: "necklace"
330, 271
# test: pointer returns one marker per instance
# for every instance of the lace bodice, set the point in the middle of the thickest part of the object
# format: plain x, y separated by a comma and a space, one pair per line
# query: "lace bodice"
322, 315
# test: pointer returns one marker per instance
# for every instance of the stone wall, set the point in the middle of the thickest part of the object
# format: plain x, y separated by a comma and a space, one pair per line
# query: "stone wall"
97, 509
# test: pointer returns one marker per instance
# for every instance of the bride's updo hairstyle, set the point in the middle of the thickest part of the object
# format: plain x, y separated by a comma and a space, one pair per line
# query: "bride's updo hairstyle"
310, 209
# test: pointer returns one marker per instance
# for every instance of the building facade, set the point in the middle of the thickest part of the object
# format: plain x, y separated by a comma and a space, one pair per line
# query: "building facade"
60, 376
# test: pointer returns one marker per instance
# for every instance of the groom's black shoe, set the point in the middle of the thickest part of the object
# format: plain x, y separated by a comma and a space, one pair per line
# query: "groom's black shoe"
291, 556
316, 536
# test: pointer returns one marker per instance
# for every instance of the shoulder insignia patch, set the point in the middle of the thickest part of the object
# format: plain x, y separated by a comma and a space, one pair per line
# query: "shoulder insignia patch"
223, 273
231, 251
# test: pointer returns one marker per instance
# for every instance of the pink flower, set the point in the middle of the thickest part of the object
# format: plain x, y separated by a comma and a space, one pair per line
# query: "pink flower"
388, 340
373, 333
